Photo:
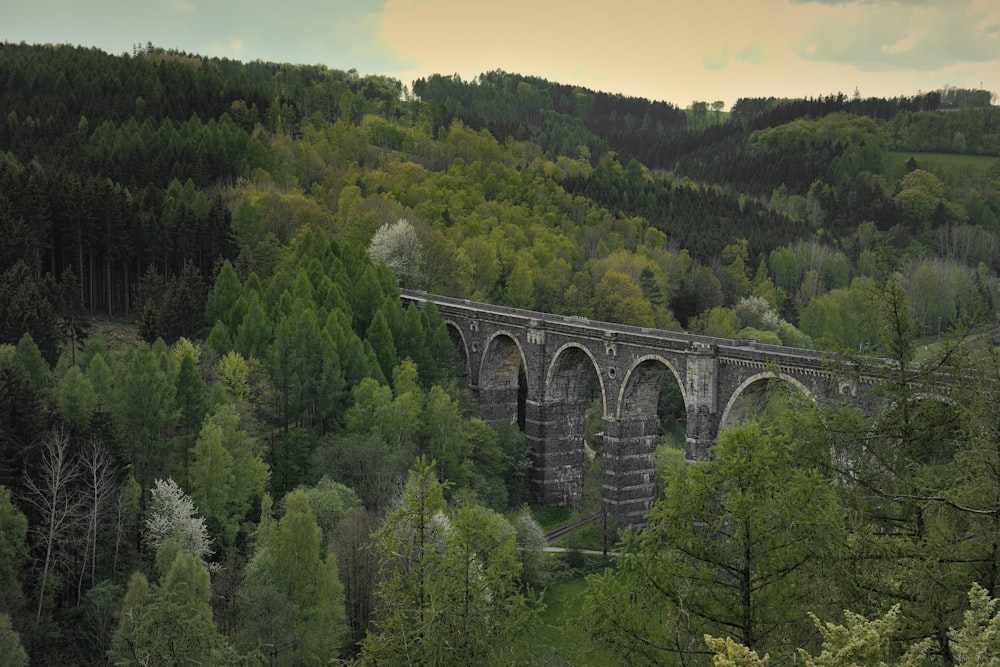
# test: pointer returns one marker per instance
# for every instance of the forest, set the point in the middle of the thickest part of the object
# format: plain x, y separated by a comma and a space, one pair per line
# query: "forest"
224, 440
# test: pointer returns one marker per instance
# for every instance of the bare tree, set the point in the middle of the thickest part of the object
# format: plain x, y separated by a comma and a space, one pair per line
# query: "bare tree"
53, 495
101, 486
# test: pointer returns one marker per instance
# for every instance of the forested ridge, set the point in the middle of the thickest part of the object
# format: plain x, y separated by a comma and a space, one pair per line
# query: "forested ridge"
223, 439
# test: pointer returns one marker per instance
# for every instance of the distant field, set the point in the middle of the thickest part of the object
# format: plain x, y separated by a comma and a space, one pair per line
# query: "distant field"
930, 160
562, 632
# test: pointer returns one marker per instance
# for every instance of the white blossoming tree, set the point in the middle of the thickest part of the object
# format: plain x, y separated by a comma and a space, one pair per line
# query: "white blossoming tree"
172, 515
398, 246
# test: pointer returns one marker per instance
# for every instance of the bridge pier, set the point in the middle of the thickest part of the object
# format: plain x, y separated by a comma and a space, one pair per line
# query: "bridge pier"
555, 432
561, 356
702, 401
498, 405
629, 485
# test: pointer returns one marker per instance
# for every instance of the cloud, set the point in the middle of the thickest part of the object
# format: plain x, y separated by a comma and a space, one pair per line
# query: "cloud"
883, 35
720, 59
752, 55
717, 59
865, 3
182, 7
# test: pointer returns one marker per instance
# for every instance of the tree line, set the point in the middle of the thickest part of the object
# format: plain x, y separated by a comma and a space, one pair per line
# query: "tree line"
273, 411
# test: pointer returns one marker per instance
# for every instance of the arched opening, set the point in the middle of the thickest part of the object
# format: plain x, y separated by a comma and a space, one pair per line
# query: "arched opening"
464, 377
649, 426
760, 396
653, 389
502, 381
568, 467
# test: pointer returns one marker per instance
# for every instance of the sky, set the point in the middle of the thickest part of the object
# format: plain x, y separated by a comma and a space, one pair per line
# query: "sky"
677, 51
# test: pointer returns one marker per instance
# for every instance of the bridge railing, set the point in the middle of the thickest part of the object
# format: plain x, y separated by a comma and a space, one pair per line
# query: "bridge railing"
578, 324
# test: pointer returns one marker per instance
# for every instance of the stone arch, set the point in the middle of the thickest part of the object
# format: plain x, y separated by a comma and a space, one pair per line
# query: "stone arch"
499, 378
563, 378
457, 336
636, 395
560, 453
502, 358
631, 436
728, 417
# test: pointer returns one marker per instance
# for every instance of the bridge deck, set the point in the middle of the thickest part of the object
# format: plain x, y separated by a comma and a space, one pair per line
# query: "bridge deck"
728, 349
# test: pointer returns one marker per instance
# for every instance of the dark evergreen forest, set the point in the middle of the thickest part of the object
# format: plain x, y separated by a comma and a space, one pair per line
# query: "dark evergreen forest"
223, 439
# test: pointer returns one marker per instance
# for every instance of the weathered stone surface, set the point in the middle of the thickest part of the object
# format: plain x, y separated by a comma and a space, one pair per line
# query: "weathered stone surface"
560, 355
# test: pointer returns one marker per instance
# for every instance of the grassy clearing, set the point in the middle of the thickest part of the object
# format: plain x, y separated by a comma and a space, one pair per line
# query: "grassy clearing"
114, 335
945, 160
562, 632
953, 169
551, 517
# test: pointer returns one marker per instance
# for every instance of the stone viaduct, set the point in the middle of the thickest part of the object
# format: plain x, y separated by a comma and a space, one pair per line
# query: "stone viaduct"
560, 355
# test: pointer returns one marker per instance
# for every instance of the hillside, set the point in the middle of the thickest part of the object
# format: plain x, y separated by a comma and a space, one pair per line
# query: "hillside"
200, 321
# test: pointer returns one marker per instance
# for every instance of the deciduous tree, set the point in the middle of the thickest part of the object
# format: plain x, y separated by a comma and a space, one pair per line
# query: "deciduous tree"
227, 474
741, 544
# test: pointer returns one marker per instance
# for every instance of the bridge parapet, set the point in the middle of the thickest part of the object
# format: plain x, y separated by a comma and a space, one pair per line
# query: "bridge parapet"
558, 353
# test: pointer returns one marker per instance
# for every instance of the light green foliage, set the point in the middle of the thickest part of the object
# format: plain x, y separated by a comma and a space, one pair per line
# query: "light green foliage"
729, 653
144, 402
921, 194
13, 550
843, 318
101, 378
409, 401
292, 601
758, 313
449, 585
812, 287
520, 292
29, 356
859, 641
409, 543
12, 653
719, 322
618, 299
330, 502
735, 274
189, 389
862, 641
738, 545
766, 337
447, 443
170, 624
233, 373
977, 642
373, 410
860, 142
130, 635
223, 297
785, 269
76, 398
227, 474
943, 293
